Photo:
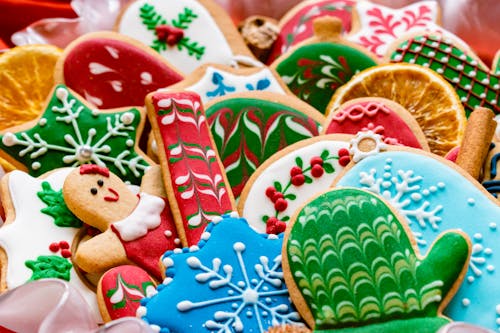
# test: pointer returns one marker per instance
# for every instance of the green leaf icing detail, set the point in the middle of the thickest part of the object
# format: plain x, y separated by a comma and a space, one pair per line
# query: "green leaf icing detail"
56, 207
314, 72
45, 267
355, 265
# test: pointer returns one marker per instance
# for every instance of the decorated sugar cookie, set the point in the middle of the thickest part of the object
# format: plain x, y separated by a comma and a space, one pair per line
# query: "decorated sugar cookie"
350, 263
37, 236
194, 177
380, 115
231, 282
112, 70
120, 290
321, 64
135, 228
434, 195
291, 177
71, 133
296, 25
475, 83
250, 127
211, 81
376, 27
188, 33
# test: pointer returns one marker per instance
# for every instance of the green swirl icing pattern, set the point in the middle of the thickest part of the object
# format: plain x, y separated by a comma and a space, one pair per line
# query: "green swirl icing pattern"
355, 266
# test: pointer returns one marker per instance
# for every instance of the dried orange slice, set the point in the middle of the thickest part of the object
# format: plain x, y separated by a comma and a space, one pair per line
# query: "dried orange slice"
429, 98
26, 79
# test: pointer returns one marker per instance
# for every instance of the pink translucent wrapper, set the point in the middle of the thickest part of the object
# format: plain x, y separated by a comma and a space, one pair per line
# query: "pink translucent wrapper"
52, 305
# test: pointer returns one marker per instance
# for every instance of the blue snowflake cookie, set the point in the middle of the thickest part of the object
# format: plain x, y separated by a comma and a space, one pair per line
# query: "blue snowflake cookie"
231, 282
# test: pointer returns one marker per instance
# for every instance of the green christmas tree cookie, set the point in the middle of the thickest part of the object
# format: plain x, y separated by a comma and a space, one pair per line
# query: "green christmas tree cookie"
353, 267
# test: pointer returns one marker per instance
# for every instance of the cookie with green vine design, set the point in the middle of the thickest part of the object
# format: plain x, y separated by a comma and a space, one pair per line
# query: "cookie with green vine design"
318, 66
351, 265
248, 128
289, 178
188, 33
37, 236
70, 133
474, 82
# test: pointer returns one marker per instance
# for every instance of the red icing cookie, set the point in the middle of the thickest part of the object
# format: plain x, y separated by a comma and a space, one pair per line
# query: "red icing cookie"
120, 291
111, 70
382, 116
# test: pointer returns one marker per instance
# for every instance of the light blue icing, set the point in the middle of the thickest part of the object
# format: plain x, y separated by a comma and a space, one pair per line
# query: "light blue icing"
233, 283
443, 199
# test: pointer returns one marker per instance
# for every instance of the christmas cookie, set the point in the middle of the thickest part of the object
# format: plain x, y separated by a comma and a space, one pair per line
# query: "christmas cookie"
296, 25
250, 127
351, 265
136, 228
112, 70
314, 69
231, 282
289, 178
188, 33
211, 81
380, 115
37, 236
194, 177
375, 26
474, 82
71, 133
434, 195
121, 289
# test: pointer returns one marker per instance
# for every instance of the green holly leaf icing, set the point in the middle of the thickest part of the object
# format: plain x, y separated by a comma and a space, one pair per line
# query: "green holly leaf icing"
354, 265
70, 134
45, 267
56, 207
314, 72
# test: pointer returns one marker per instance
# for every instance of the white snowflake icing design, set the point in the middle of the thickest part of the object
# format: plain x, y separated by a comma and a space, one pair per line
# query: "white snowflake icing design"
81, 147
403, 192
253, 294
479, 259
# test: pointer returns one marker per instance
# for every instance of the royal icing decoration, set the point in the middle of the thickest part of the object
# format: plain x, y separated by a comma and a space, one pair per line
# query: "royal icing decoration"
248, 129
352, 262
313, 72
473, 82
296, 174
298, 26
379, 26
434, 197
46, 254
197, 40
232, 282
216, 82
122, 289
111, 72
70, 134
195, 174
377, 116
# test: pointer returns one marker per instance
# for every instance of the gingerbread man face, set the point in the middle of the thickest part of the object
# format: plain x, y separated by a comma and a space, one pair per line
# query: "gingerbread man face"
98, 196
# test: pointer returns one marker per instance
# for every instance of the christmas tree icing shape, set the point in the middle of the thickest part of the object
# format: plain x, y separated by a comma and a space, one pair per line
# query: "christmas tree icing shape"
71, 133
152, 19
231, 282
353, 267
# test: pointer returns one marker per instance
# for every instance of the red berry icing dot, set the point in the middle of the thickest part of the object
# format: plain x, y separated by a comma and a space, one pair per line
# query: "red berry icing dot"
280, 204
343, 152
316, 160
295, 171
54, 247
275, 226
66, 253
298, 180
277, 196
344, 160
317, 171
270, 192
63, 245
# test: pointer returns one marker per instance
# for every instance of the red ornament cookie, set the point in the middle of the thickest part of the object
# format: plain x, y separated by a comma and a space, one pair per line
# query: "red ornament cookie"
112, 70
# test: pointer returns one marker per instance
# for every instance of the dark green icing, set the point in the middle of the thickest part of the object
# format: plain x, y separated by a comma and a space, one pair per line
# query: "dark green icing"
45, 267
56, 207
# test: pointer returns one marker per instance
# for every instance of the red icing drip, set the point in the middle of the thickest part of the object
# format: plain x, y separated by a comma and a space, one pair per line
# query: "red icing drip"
93, 169
169, 34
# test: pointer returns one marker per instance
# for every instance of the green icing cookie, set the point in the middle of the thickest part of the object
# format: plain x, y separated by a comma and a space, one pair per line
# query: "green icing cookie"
474, 84
356, 270
313, 72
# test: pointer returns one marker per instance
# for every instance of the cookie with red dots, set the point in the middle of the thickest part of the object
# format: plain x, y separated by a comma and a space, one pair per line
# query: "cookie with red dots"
289, 178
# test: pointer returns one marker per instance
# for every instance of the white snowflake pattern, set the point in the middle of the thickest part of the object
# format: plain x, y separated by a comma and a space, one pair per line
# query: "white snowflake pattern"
79, 149
402, 190
479, 259
255, 294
